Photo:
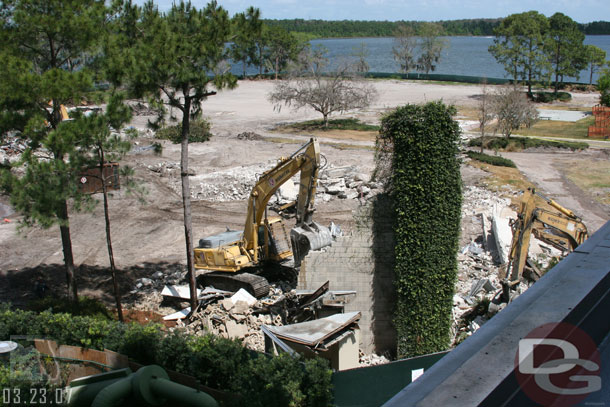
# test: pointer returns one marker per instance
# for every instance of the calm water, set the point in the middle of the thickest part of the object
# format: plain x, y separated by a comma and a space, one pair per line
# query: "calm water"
462, 56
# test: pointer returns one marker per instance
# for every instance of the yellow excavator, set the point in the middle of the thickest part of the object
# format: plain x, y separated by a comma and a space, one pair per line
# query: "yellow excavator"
562, 230
230, 260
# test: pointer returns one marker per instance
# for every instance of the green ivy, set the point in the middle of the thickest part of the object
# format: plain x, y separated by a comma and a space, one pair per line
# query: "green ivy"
426, 189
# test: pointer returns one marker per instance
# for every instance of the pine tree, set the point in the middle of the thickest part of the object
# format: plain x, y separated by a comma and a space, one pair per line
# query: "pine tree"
47, 47
192, 58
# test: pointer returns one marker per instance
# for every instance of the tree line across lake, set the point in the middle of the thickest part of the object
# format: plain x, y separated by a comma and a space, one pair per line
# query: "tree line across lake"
349, 28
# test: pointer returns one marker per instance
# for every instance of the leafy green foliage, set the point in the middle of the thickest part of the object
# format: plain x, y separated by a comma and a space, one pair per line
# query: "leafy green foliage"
595, 58
548, 97
603, 84
426, 189
336, 124
255, 379
199, 131
519, 46
523, 143
47, 49
491, 159
564, 48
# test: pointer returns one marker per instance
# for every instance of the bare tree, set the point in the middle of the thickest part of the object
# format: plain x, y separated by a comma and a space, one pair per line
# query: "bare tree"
404, 48
485, 112
513, 110
325, 92
361, 53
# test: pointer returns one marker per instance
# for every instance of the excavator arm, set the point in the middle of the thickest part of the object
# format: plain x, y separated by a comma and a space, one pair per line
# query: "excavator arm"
307, 161
564, 230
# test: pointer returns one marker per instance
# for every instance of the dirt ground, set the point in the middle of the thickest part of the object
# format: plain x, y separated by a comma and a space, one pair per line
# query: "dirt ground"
150, 236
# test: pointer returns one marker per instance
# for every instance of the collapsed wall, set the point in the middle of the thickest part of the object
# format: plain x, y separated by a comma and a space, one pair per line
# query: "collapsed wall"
363, 262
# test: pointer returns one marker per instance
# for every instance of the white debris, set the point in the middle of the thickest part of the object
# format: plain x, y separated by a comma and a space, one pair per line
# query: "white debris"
243, 295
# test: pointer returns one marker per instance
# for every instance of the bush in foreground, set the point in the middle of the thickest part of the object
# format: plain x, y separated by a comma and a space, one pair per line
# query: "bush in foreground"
254, 378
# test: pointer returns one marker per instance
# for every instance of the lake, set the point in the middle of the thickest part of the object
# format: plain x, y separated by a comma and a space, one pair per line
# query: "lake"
462, 56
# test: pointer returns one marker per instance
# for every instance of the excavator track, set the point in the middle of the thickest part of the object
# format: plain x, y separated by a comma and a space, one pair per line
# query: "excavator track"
256, 285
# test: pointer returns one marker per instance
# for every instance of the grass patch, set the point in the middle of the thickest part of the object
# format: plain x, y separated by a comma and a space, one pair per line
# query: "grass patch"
491, 159
592, 176
523, 143
502, 179
337, 124
555, 128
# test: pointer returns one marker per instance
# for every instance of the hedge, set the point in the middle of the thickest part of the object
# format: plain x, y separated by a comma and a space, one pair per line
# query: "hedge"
523, 143
255, 378
426, 189
491, 159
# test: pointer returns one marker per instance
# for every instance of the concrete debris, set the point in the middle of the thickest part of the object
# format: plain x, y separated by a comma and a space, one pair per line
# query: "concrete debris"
502, 231
485, 226
236, 184
288, 191
372, 360
336, 338
178, 315
243, 296
241, 316
250, 136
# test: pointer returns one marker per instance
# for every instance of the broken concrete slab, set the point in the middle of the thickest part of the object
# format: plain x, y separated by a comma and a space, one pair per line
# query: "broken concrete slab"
235, 330
178, 291
240, 307
227, 304
503, 234
178, 315
312, 333
243, 295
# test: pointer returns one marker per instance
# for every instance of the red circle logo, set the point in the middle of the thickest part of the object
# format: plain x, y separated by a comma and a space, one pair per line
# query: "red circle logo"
558, 364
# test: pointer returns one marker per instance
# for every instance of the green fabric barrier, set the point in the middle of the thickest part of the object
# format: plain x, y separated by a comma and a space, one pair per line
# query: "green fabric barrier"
372, 386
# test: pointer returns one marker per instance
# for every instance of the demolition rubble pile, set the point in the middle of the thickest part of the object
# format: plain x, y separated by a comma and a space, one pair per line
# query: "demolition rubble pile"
241, 316
235, 184
486, 219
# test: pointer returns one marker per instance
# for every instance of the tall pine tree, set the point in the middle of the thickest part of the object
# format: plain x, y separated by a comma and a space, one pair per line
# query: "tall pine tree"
181, 76
47, 46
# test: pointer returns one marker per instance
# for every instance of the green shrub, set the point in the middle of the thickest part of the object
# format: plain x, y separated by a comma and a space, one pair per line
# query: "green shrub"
199, 132
427, 198
255, 379
491, 159
522, 143
547, 97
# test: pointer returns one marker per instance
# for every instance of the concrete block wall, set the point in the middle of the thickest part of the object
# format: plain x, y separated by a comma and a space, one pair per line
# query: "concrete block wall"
362, 261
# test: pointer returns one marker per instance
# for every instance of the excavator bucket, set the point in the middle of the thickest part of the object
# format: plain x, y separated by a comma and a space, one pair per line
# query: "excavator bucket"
308, 237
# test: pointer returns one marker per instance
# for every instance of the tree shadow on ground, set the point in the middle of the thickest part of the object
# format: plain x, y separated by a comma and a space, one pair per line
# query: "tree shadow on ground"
22, 286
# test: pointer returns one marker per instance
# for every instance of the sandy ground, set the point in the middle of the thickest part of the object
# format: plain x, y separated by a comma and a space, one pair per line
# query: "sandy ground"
145, 234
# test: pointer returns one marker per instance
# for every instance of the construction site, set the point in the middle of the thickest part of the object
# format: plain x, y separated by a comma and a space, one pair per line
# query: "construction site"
307, 202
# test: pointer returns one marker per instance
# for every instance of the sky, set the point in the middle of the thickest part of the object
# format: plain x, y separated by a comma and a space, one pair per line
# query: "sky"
582, 11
